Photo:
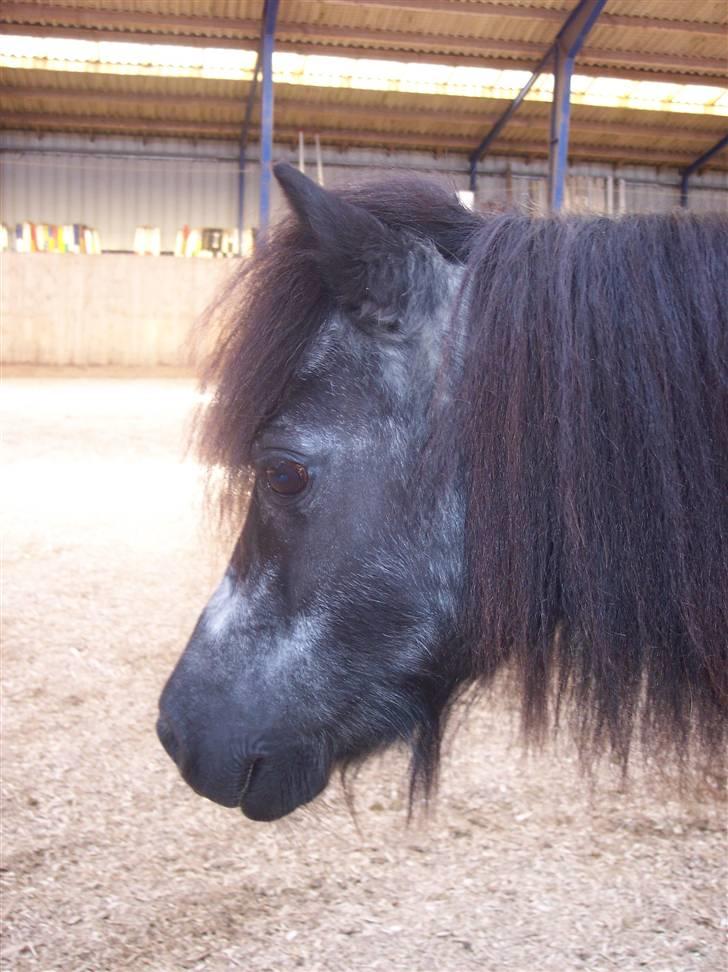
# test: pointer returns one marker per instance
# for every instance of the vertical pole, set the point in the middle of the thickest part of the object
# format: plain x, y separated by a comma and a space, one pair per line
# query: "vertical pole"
621, 196
567, 45
319, 161
610, 195
266, 111
684, 190
564, 50
560, 118
473, 174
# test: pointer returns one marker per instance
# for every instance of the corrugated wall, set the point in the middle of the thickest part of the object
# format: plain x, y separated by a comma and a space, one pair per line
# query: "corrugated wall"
117, 184
116, 189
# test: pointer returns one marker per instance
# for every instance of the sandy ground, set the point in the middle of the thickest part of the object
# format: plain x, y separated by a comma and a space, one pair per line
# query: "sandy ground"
110, 862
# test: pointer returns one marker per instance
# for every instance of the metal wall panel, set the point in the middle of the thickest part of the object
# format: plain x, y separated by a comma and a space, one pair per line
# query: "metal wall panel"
114, 188
706, 200
117, 184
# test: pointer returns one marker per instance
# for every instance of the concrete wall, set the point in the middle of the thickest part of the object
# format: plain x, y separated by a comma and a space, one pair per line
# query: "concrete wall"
58, 309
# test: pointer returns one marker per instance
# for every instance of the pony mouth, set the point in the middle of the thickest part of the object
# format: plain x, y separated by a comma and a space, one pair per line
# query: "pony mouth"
247, 779
272, 789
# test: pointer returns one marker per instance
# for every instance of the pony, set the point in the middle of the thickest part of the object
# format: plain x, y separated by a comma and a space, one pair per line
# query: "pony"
457, 444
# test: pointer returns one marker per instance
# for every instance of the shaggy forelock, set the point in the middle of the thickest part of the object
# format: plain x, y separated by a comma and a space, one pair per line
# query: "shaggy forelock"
268, 318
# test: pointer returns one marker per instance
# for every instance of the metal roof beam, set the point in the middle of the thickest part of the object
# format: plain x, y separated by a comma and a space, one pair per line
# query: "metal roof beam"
698, 164
696, 28
270, 13
539, 14
93, 17
631, 66
244, 133
570, 37
48, 121
504, 119
416, 115
306, 34
125, 25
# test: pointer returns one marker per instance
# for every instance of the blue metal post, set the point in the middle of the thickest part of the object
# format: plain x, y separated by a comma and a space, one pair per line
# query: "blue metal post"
266, 111
698, 164
566, 47
570, 39
504, 119
559, 137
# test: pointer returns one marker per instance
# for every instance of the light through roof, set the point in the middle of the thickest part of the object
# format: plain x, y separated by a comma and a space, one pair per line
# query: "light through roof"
315, 70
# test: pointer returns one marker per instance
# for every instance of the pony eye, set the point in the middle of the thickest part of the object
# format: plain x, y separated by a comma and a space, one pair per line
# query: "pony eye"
287, 478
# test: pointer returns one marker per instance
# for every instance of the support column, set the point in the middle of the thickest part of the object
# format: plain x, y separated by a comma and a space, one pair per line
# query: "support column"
266, 111
560, 118
566, 47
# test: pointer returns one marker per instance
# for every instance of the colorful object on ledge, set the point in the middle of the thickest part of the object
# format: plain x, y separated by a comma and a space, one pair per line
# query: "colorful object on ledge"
206, 242
48, 238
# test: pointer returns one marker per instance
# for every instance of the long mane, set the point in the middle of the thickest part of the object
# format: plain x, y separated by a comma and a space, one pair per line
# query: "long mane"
592, 432
593, 423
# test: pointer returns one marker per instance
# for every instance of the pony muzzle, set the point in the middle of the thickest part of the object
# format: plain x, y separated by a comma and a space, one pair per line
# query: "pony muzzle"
263, 774
211, 768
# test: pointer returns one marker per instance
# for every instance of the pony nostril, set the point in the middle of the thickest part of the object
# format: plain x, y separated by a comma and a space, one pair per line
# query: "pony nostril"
167, 737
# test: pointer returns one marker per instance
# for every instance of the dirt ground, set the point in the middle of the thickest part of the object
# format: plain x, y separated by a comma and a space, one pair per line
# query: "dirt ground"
111, 862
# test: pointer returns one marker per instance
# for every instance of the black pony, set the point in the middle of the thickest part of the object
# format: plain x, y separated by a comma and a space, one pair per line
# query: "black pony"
466, 444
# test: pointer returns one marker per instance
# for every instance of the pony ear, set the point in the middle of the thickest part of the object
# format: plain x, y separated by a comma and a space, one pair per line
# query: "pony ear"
330, 219
363, 263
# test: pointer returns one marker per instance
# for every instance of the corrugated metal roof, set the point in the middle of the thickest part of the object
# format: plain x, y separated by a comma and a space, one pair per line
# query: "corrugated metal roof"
646, 39
655, 39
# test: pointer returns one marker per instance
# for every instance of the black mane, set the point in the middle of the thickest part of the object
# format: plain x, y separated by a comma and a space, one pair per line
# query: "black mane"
592, 433
594, 426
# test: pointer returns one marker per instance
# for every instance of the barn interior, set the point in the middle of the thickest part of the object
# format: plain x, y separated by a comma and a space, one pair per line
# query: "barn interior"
136, 141
148, 129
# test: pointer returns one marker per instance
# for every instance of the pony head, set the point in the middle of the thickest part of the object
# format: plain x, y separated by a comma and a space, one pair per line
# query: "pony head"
331, 633
458, 444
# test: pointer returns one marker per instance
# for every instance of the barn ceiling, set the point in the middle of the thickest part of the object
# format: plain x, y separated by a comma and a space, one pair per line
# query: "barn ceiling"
667, 44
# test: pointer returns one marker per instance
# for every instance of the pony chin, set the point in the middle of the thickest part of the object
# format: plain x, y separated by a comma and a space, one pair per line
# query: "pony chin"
276, 789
